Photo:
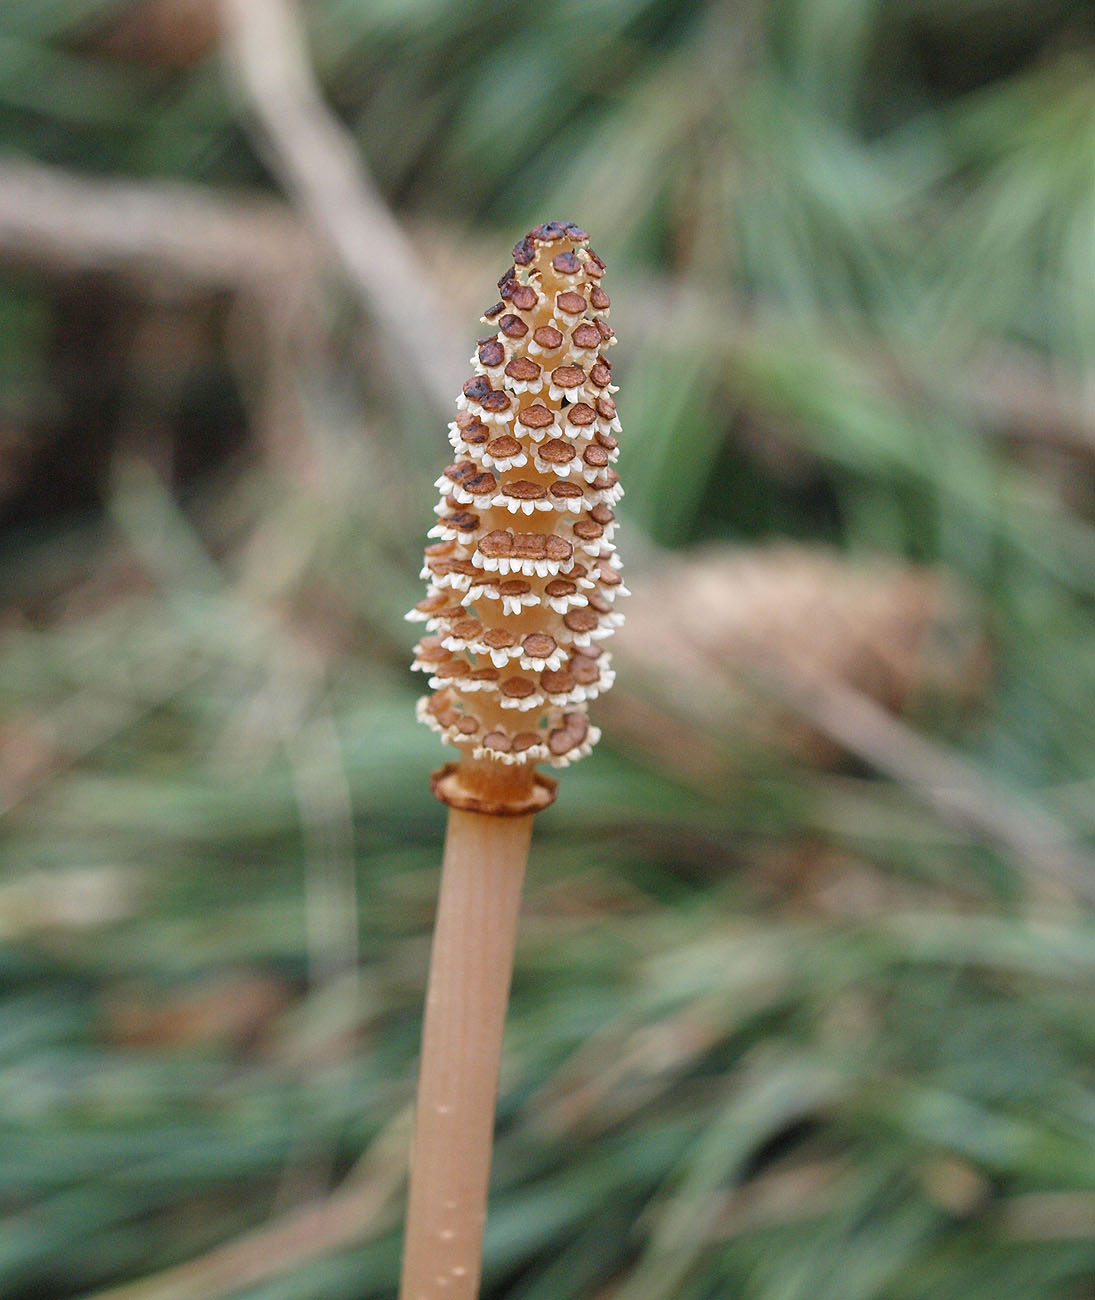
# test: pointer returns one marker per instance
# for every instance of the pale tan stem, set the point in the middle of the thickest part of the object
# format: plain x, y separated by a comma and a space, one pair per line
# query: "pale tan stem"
470, 968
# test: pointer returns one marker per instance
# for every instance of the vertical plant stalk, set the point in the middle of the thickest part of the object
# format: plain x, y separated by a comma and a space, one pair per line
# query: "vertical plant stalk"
470, 968
522, 582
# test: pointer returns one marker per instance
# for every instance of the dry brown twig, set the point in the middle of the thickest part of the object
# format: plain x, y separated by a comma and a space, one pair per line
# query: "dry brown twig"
167, 231
179, 240
358, 1211
841, 647
1036, 841
320, 164
183, 233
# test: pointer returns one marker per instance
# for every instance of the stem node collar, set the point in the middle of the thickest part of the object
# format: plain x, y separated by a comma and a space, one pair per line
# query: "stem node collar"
456, 786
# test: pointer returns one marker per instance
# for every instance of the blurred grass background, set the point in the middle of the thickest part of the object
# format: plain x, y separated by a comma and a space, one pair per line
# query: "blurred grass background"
803, 1004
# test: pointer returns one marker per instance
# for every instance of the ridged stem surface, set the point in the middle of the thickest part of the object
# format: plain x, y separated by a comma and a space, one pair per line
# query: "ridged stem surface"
470, 966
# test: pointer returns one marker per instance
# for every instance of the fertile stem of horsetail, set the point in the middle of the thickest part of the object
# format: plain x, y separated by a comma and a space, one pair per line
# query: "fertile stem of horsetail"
522, 580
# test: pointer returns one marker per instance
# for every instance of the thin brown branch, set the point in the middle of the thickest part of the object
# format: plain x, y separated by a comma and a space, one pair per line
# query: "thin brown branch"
1014, 824
186, 233
321, 166
186, 239
81, 724
64, 222
363, 1207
